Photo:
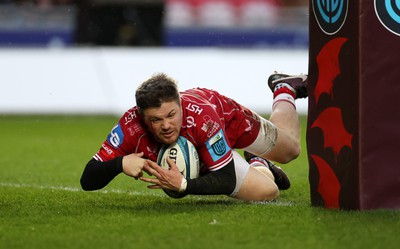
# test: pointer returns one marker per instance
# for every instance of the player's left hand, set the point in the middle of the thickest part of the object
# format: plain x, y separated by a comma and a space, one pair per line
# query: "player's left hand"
164, 179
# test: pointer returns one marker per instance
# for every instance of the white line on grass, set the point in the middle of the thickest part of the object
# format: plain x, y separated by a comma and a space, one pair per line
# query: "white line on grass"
72, 189
126, 192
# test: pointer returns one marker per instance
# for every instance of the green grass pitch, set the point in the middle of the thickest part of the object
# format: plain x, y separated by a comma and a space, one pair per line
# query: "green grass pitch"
42, 205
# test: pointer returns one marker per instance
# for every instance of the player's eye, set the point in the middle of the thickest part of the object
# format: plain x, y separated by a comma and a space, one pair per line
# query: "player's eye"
171, 115
154, 120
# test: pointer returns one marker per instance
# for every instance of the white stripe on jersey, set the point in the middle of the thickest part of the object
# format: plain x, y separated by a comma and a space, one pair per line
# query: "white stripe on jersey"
97, 158
221, 164
200, 98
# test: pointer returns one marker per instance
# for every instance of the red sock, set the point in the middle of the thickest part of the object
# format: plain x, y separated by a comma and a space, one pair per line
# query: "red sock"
284, 92
258, 161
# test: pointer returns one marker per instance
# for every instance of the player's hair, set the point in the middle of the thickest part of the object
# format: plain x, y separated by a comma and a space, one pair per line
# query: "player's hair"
155, 91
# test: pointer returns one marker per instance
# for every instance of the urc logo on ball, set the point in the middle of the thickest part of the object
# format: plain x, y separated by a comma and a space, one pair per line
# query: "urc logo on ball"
330, 14
388, 12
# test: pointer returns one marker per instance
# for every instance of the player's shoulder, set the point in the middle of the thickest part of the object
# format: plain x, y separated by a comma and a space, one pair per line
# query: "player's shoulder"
196, 103
132, 122
200, 96
131, 115
198, 92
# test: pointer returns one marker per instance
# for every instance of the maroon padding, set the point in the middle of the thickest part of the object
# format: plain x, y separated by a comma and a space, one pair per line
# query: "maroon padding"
353, 130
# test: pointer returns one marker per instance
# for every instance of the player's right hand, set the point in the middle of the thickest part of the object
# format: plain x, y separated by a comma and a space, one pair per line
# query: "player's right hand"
132, 165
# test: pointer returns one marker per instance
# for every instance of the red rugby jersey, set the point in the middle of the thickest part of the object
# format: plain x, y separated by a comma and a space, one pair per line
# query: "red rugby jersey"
212, 122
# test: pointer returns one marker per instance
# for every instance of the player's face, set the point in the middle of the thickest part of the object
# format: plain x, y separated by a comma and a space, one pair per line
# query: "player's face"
164, 122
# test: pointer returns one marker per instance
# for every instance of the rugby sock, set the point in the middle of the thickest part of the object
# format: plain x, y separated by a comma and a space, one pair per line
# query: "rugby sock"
258, 161
284, 92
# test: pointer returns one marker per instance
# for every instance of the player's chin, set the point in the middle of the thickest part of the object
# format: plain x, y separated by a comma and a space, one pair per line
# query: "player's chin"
169, 138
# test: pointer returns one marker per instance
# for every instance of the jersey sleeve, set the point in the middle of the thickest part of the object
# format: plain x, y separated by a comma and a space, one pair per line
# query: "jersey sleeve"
114, 145
126, 137
206, 129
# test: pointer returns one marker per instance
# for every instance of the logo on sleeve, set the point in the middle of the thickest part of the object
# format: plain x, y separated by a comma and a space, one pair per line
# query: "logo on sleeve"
116, 136
217, 146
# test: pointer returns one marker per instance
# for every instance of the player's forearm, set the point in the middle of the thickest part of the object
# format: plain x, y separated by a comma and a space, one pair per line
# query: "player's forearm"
98, 174
218, 182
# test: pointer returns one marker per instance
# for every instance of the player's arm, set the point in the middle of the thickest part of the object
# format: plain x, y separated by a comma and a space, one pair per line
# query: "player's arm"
222, 181
97, 175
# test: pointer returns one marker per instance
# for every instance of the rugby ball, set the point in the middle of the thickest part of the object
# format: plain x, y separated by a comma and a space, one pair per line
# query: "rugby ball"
185, 156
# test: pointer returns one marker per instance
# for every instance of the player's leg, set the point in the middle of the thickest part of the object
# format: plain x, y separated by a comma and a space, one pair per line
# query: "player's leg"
278, 144
252, 184
287, 146
278, 138
270, 169
257, 187
284, 116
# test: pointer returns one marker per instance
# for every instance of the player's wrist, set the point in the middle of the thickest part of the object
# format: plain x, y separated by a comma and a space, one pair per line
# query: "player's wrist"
183, 186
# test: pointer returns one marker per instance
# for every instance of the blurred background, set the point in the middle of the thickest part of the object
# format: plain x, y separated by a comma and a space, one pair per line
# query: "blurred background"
52, 51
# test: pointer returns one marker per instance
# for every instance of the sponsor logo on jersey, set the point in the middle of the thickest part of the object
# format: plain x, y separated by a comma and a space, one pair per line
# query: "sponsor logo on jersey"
330, 14
207, 123
217, 146
131, 131
388, 12
190, 122
108, 150
209, 126
214, 128
116, 136
137, 127
131, 116
194, 108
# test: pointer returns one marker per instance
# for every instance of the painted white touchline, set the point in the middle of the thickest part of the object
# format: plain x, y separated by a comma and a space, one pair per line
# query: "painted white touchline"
116, 191
72, 189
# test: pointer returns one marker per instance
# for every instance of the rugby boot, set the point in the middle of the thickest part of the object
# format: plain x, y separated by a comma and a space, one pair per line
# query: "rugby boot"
297, 82
281, 179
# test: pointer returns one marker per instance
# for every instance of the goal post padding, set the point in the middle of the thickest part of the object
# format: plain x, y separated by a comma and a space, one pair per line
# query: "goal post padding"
353, 129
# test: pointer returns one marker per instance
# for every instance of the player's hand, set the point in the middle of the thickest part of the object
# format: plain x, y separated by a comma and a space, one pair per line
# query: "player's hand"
132, 165
164, 179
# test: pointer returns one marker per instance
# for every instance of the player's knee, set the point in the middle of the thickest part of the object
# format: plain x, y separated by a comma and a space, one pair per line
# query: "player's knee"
265, 195
290, 153
295, 151
268, 193
257, 187
271, 194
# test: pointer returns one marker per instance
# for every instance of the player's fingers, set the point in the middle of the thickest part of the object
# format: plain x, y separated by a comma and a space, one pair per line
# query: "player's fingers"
172, 165
152, 164
149, 180
154, 187
155, 183
138, 175
155, 169
151, 170
147, 169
